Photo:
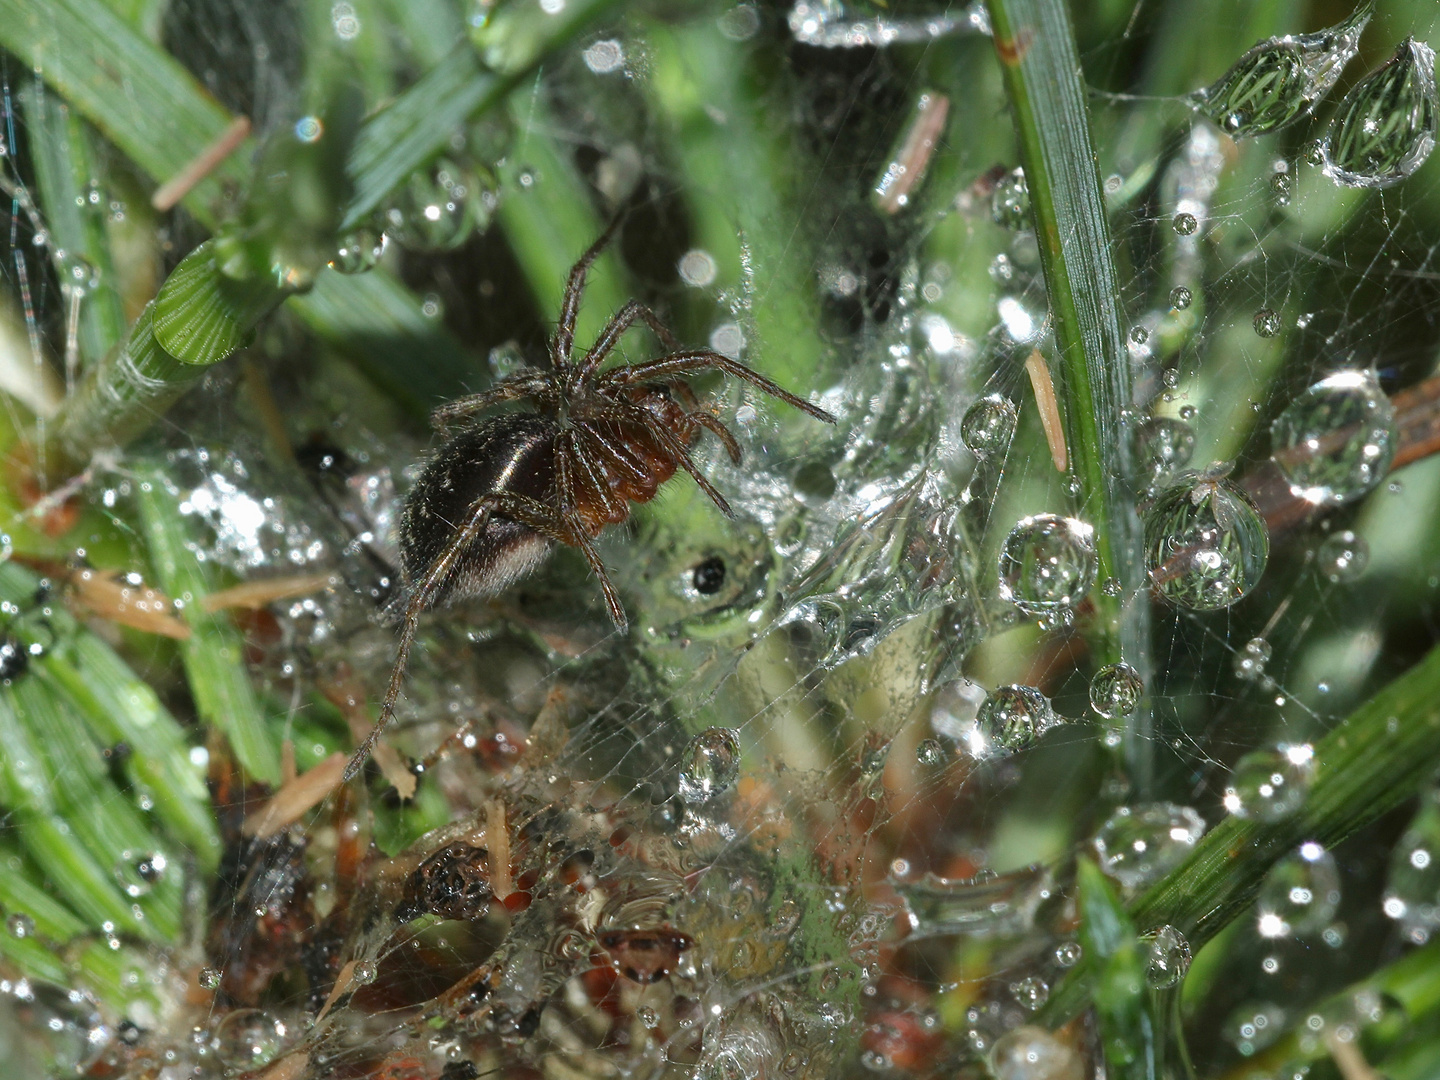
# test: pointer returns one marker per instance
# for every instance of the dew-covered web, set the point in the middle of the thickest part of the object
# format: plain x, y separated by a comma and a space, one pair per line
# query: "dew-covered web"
819, 810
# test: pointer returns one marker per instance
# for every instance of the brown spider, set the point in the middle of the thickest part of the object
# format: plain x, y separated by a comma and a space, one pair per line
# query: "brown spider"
497, 496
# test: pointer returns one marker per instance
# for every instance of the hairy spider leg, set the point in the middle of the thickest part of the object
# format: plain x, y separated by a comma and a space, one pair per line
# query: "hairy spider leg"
621, 321
680, 452
617, 457
526, 511
564, 340
701, 359
581, 539
713, 425
521, 386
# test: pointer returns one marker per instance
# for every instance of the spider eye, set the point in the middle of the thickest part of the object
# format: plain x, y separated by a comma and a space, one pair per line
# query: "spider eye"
709, 576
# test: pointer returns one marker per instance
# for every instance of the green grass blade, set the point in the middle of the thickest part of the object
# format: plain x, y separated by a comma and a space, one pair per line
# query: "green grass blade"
202, 316
1108, 938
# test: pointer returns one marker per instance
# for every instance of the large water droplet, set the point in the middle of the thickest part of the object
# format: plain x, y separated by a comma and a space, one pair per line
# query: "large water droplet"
1206, 544
1167, 957
987, 425
1184, 224
436, 209
1300, 894
248, 1039
1010, 201
1384, 129
1280, 80
1047, 563
1032, 1053
1336, 440
1412, 893
1270, 785
1115, 690
1139, 845
1163, 446
1343, 556
1266, 322
710, 764
1180, 298
1011, 718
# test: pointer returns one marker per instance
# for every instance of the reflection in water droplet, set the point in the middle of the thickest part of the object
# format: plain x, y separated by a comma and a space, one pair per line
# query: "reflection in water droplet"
1167, 957
1384, 129
1010, 201
1011, 718
954, 707
1282, 185
1184, 224
1115, 690
1032, 1053
1047, 563
929, 752
1141, 844
364, 973
1336, 440
1206, 544
1251, 660
209, 978
1180, 298
988, 425
1030, 992
1270, 785
1068, 953
1412, 892
1279, 81
1139, 335
248, 1038
436, 209
1343, 556
137, 874
709, 765
1266, 323
1300, 894
358, 251
1163, 445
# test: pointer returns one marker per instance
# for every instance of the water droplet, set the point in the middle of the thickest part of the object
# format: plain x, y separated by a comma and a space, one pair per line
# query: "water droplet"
1167, 957
1032, 1053
1011, 718
1266, 323
1180, 298
1251, 660
929, 752
1253, 1027
1047, 563
604, 56
1163, 446
137, 874
1384, 128
698, 268
1279, 81
436, 209
1270, 785
1206, 544
1300, 894
710, 764
1010, 201
1412, 892
364, 973
647, 1016
1188, 412
1068, 953
358, 251
1030, 992
209, 978
988, 425
248, 1039
1343, 556
1184, 224
20, 925
1111, 587
1336, 440
1282, 185
1115, 690
954, 707
1139, 335
1139, 845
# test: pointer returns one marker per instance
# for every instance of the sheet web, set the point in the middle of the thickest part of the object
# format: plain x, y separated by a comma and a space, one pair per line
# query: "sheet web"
819, 811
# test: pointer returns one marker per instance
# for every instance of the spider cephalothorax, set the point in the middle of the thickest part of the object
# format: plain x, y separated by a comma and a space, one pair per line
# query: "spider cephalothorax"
504, 488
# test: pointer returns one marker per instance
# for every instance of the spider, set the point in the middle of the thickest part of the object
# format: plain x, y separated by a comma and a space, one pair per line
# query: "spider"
506, 488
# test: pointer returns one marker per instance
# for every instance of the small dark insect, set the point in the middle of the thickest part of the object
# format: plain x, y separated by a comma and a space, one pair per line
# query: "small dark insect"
14, 659
496, 497
645, 956
453, 883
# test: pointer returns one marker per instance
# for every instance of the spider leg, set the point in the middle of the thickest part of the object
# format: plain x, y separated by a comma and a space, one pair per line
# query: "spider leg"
519, 508
701, 359
719, 430
587, 547
564, 340
510, 390
682, 457
621, 321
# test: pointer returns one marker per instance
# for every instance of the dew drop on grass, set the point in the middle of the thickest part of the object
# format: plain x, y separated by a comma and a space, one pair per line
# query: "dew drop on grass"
436, 209
248, 1039
1166, 954
1010, 201
1343, 556
1270, 785
1115, 690
1138, 845
1163, 446
1299, 895
1184, 224
20, 925
987, 425
1010, 718
1047, 563
1336, 440
1384, 128
1412, 892
1206, 544
1266, 323
1180, 298
710, 764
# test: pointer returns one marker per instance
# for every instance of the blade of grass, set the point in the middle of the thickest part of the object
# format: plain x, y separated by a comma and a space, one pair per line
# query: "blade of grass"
1126, 1028
213, 655
1045, 84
